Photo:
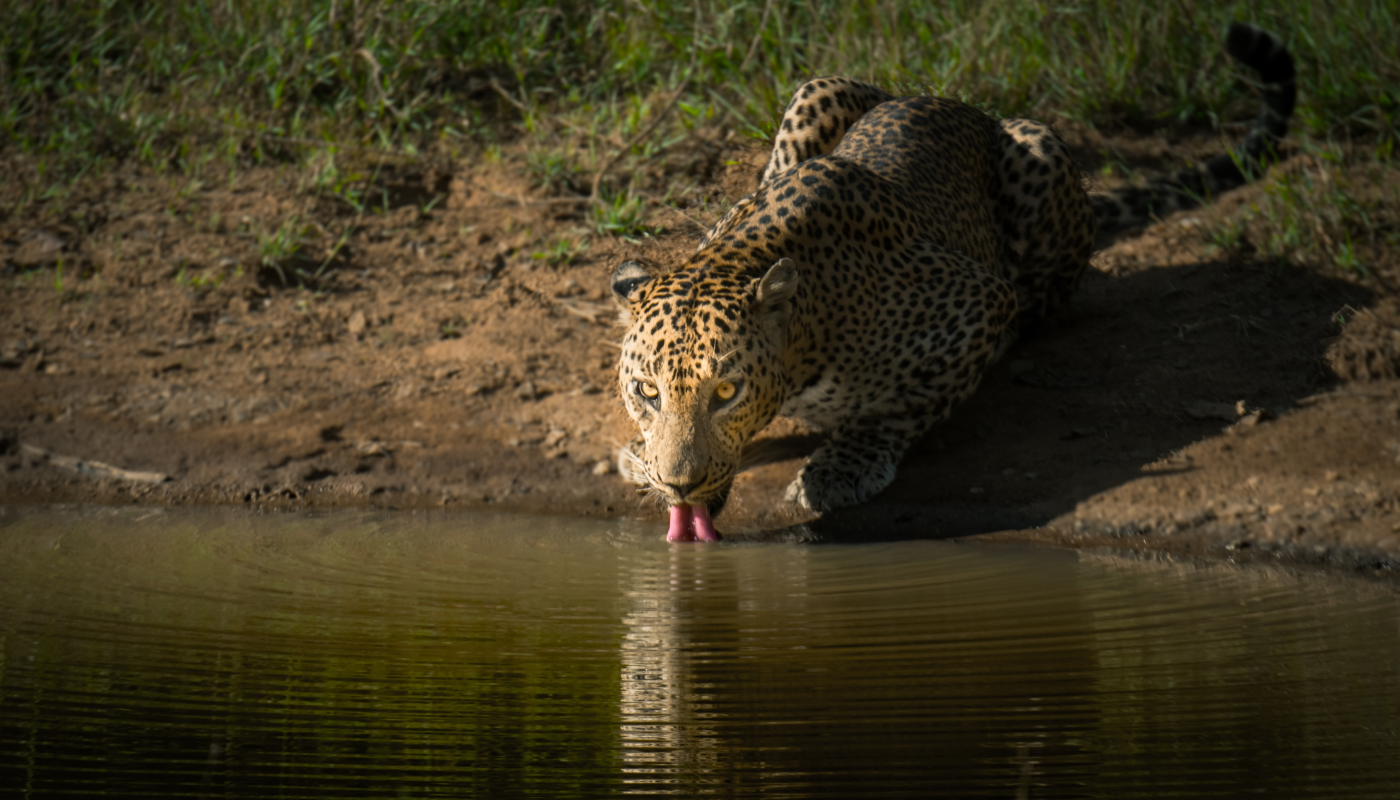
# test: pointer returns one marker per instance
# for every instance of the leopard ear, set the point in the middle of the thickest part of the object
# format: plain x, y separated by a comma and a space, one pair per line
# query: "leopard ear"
776, 290
627, 282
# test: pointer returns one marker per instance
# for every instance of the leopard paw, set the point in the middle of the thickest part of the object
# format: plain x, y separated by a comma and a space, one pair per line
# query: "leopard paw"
824, 485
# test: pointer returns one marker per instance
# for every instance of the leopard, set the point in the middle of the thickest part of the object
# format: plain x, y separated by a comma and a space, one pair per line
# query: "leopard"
894, 249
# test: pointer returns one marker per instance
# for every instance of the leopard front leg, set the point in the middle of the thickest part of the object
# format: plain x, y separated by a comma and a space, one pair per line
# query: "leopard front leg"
855, 464
958, 315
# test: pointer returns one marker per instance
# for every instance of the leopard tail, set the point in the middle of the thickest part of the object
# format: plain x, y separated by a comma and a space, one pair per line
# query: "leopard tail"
1136, 206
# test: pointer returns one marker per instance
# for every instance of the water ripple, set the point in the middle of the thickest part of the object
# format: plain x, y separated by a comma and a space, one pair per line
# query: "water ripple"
220, 652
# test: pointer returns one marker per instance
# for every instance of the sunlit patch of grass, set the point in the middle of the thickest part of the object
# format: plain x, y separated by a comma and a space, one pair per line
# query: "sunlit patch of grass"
623, 214
554, 171
561, 251
201, 281
1322, 209
258, 79
284, 251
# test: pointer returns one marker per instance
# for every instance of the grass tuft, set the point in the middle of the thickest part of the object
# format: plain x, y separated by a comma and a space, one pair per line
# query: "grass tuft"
622, 215
1321, 209
284, 251
562, 251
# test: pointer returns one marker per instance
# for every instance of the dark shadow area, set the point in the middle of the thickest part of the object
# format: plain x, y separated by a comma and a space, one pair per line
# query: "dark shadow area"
1145, 363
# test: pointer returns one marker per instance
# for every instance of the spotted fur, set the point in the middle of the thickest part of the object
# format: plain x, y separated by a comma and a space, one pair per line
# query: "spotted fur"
891, 252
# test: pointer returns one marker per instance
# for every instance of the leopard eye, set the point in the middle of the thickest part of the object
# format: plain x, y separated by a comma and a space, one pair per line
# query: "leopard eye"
725, 391
648, 390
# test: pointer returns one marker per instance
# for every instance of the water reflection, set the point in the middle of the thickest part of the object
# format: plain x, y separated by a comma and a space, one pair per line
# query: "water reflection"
204, 653
849, 671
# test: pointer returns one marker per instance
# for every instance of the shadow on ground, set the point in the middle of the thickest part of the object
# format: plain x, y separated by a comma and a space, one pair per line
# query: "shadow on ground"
1146, 362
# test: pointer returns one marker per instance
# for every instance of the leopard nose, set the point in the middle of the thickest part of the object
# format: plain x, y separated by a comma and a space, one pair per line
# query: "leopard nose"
683, 491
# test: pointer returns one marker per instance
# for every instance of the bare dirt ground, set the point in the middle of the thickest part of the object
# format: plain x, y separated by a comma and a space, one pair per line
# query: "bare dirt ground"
1188, 403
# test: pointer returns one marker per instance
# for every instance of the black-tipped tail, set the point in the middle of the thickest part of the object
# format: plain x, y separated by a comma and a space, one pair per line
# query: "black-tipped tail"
1261, 51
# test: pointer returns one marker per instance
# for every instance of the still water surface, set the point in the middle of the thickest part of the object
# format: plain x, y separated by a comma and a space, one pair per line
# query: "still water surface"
217, 653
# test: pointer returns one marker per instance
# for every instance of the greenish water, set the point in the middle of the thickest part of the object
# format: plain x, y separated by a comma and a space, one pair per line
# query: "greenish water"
218, 653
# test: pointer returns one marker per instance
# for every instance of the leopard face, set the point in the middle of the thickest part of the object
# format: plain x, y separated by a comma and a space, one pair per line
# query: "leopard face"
701, 372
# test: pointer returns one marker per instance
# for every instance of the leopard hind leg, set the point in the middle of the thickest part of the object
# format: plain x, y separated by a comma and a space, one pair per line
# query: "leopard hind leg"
818, 115
1047, 224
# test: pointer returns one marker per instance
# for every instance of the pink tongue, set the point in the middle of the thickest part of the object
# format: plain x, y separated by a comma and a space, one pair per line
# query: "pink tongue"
691, 523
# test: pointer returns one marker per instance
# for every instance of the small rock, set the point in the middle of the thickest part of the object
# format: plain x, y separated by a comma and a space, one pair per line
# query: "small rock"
554, 437
357, 324
1251, 419
527, 391
1331, 475
48, 242
1207, 410
19, 347
443, 373
1235, 508
605, 467
1190, 516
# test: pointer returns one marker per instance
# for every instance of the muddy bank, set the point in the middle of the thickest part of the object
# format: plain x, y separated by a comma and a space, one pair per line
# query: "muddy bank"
458, 351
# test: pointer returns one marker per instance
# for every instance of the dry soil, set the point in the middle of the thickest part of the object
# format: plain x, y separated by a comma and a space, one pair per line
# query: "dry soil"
450, 355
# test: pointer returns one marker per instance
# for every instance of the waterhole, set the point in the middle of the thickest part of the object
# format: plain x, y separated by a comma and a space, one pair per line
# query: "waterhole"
219, 653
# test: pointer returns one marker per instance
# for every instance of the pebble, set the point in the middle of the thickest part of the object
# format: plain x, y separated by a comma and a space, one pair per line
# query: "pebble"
357, 324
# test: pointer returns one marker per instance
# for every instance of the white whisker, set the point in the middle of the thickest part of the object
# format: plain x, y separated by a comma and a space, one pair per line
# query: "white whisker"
724, 357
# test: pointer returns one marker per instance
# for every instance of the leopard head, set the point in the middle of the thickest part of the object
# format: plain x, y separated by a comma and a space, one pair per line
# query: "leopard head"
702, 370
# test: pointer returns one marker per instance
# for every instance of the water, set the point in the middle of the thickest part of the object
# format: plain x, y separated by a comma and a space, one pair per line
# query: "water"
217, 653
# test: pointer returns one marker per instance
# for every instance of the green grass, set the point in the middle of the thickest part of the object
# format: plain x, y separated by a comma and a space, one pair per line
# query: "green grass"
284, 251
562, 251
622, 215
1328, 209
167, 83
